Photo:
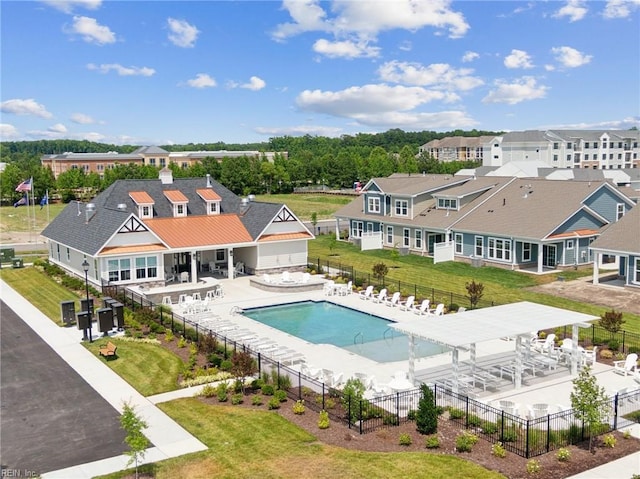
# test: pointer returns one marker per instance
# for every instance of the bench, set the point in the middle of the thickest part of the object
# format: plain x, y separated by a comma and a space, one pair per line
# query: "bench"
108, 350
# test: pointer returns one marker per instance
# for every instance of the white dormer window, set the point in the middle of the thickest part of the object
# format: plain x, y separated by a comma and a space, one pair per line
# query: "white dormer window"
213, 208
447, 204
373, 204
178, 201
180, 210
402, 208
212, 200
145, 211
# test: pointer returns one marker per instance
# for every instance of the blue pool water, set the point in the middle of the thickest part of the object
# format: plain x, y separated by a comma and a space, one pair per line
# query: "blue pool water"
327, 323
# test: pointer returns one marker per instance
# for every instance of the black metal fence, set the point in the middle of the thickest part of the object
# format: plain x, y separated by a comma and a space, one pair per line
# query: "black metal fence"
524, 437
451, 300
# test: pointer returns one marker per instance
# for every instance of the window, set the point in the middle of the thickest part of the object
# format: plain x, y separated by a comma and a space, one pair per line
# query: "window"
569, 146
146, 212
221, 255
569, 157
213, 208
556, 146
620, 210
389, 234
586, 145
479, 250
99, 167
418, 239
406, 234
458, 243
636, 273
68, 255
152, 161
569, 244
447, 203
180, 210
119, 270
500, 249
373, 205
604, 156
555, 157
184, 165
526, 252
586, 157
146, 267
611, 144
619, 144
402, 208
369, 227
356, 229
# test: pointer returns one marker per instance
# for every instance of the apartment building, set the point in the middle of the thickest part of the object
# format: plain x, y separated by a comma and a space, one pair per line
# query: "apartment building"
457, 148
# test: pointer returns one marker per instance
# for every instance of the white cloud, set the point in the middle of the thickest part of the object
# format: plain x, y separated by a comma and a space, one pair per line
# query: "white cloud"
361, 102
182, 33
91, 31
518, 59
82, 119
355, 18
57, 128
570, 57
255, 84
437, 75
526, 88
419, 121
29, 106
624, 124
469, 56
122, 71
574, 9
8, 132
406, 46
620, 8
67, 6
345, 49
301, 130
202, 80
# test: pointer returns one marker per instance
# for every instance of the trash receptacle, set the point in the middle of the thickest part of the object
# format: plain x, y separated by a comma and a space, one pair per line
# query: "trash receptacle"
17, 263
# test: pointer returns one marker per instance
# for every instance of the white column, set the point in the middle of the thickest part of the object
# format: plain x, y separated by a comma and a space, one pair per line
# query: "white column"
518, 371
337, 229
596, 263
540, 256
574, 350
230, 263
412, 359
194, 267
472, 357
454, 364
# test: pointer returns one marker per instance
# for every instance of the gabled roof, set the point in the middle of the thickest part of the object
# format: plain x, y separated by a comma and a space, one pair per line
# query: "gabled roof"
529, 208
208, 194
176, 196
412, 185
141, 198
623, 236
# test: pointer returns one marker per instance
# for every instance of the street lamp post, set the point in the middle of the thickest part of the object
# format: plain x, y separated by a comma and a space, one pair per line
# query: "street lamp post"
85, 267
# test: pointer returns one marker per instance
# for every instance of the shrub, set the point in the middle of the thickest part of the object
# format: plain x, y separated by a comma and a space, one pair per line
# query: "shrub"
498, 450
626, 434
323, 420
611, 321
214, 360
156, 328
475, 291
509, 435
352, 394
226, 365
432, 442
182, 342
390, 420
273, 403
489, 427
267, 390
613, 344
298, 407
563, 454
609, 440
208, 391
606, 354
404, 440
168, 335
474, 421
237, 399
221, 392
533, 466
280, 395
257, 400
427, 414
455, 413
411, 414
466, 441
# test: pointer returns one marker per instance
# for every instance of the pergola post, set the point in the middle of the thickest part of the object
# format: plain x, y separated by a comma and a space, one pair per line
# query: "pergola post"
596, 265
518, 371
412, 359
574, 349
472, 357
230, 266
454, 364
194, 267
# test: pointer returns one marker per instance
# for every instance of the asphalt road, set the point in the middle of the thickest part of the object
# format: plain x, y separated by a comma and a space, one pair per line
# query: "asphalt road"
50, 418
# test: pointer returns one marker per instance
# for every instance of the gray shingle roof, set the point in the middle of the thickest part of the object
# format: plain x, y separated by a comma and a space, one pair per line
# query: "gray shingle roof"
623, 236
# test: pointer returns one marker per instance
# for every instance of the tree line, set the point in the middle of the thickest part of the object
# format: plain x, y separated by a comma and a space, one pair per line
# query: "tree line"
310, 160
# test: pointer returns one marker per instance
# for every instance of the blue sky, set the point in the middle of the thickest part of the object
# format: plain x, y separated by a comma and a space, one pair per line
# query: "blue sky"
168, 72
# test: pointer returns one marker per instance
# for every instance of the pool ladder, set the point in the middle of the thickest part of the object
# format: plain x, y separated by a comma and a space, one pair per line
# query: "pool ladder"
355, 338
384, 335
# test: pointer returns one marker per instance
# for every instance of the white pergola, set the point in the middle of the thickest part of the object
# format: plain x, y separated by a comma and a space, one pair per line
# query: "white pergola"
462, 331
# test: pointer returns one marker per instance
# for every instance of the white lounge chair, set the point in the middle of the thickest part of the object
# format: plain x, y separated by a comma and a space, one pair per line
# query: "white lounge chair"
628, 366
438, 311
166, 300
313, 373
394, 301
544, 345
329, 288
408, 304
382, 296
345, 289
286, 277
423, 309
184, 277
590, 356
367, 293
266, 278
305, 278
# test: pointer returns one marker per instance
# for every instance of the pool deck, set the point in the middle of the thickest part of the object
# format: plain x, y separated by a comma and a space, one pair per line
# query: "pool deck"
539, 388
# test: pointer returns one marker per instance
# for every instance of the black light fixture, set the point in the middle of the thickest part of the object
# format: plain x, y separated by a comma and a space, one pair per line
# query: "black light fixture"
85, 267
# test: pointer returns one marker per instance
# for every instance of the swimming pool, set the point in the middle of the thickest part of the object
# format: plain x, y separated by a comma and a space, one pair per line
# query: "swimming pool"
322, 322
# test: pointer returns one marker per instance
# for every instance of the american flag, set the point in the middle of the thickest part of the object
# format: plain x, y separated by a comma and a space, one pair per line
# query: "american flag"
25, 185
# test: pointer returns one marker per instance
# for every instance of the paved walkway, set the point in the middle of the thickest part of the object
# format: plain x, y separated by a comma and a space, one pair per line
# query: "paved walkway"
169, 438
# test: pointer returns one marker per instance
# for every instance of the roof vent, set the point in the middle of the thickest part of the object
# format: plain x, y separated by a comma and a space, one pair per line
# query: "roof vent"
251, 198
244, 205
89, 211
122, 206
166, 176
208, 180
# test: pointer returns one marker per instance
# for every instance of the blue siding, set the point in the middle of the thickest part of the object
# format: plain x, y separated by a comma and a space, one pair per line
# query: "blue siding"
604, 202
581, 220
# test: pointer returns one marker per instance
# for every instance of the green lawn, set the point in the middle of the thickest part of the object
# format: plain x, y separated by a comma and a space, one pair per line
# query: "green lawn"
248, 444
21, 219
304, 205
39, 289
149, 368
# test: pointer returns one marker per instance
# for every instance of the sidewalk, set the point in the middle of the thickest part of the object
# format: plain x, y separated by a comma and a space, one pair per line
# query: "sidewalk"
169, 438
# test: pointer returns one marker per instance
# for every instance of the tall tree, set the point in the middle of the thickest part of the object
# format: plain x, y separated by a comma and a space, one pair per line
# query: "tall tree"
589, 401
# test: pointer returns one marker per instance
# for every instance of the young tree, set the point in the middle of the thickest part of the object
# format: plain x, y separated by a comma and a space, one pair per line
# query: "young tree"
380, 270
474, 292
243, 366
427, 415
611, 321
134, 426
589, 401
